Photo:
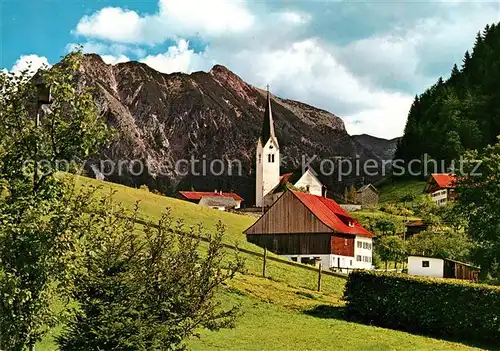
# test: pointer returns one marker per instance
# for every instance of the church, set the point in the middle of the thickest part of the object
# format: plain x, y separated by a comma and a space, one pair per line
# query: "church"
269, 183
300, 222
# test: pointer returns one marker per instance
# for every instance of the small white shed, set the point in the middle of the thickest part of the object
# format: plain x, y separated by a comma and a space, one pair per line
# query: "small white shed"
441, 268
426, 266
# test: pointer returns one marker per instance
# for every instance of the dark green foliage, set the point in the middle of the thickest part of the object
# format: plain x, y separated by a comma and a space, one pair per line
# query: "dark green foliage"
461, 113
385, 226
455, 309
147, 289
479, 204
443, 242
390, 248
42, 219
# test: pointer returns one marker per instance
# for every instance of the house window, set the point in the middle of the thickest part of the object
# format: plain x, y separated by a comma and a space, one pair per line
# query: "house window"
294, 259
360, 244
426, 264
307, 188
350, 263
358, 258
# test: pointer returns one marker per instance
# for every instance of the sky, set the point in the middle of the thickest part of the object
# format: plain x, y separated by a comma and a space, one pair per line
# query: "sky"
363, 61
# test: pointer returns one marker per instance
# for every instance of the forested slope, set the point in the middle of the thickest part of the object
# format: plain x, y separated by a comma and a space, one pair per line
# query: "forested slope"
462, 112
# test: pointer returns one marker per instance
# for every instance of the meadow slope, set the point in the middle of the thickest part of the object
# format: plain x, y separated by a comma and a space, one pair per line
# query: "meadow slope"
283, 311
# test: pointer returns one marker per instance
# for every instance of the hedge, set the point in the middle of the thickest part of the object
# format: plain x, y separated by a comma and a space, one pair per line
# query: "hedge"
441, 307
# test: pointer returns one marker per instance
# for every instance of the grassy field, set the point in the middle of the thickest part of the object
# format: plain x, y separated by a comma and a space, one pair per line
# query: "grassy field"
281, 312
393, 191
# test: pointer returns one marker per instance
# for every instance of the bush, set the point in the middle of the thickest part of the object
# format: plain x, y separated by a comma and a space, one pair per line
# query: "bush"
440, 307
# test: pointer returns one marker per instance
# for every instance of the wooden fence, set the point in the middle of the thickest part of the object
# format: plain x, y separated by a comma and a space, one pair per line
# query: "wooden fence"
265, 257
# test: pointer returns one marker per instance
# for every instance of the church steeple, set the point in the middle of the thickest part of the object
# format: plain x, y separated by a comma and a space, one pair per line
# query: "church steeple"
267, 159
268, 125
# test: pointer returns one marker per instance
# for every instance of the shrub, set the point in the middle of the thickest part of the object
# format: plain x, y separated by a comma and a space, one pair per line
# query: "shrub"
449, 308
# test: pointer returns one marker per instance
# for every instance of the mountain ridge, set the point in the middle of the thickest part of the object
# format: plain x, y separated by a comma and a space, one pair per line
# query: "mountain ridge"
163, 118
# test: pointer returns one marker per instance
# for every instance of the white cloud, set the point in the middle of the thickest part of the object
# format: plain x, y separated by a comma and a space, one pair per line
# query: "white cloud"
175, 18
412, 55
294, 17
31, 62
111, 23
307, 71
113, 60
368, 81
178, 58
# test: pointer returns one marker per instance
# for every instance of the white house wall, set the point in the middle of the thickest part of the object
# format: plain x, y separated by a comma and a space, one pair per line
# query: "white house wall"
333, 261
440, 197
308, 180
363, 252
435, 269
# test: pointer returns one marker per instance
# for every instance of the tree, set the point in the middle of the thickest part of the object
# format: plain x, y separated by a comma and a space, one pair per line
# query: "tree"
479, 203
390, 248
385, 226
441, 242
148, 293
42, 217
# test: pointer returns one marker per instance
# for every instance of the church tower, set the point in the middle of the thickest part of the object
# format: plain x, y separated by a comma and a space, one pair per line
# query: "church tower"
267, 157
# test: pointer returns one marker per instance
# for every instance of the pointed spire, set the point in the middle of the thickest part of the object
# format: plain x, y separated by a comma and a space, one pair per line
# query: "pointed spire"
268, 125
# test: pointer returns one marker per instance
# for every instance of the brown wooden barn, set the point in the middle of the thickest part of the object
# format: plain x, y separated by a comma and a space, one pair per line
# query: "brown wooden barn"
310, 228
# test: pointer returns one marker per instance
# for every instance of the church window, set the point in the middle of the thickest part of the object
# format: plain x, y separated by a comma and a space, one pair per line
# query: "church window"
270, 158
260, 158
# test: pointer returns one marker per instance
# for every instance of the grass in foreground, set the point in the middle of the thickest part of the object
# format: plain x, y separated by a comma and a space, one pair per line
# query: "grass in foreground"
266, 326
273, 308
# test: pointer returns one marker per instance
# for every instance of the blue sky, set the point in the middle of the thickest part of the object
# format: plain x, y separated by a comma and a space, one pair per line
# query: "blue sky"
363, 61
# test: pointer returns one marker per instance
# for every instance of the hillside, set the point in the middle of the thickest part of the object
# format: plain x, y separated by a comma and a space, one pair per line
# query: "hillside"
461, 112
205, 116
276, 310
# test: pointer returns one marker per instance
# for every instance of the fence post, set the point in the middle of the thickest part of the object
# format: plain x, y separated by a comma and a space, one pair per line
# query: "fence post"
264, 263
319, 275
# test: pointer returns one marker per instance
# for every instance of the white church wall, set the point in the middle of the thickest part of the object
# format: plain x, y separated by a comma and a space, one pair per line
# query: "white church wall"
258, 176
268, 170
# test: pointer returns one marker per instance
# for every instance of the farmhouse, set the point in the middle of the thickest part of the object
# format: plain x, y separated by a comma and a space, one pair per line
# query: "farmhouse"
415, 227
441, 268
269, 184
309, 228
367, 196
215, 199
441, 187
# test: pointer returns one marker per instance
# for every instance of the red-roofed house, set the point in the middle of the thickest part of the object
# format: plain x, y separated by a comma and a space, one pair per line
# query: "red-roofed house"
441, 187
310, 228
209, 198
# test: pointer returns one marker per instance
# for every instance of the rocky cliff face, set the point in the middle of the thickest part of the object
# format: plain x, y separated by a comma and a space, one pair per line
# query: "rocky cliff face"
164, 118
382, 148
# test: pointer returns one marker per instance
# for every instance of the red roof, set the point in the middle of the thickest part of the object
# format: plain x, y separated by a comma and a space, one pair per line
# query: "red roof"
443, 180
285, 178
331, 214
197, 195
